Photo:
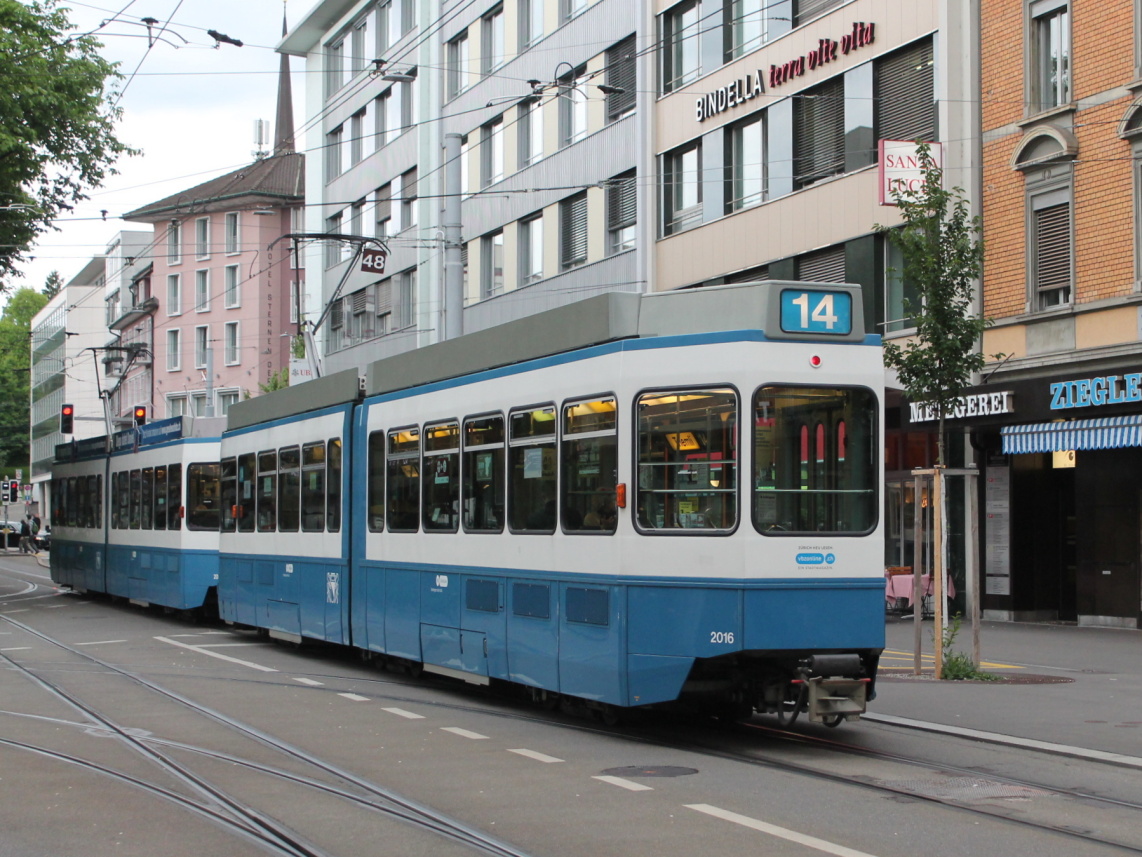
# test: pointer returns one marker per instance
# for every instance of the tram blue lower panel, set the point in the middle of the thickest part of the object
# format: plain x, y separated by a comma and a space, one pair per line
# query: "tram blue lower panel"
291, 595
79, 565
179, 579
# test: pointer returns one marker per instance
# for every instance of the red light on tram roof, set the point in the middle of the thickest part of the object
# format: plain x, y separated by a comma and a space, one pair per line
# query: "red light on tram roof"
815, 361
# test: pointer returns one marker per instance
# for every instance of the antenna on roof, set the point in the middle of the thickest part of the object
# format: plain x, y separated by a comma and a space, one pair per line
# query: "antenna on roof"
261, 138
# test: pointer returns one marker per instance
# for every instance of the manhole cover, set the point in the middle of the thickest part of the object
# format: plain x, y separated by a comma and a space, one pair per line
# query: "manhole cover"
966, 789
649, 771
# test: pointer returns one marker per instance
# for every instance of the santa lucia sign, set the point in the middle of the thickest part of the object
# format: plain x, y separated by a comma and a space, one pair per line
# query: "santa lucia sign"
900, 168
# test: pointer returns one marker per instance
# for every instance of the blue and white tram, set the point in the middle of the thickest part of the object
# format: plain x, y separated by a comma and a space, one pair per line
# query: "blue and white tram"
163, 513
77, 517
634, 500
283, 546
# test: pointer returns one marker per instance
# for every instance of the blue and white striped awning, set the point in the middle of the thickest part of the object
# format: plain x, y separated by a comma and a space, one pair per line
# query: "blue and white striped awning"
1101, 433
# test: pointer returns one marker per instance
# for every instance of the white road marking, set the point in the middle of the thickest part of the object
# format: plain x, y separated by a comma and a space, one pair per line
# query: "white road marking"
16, 649
400, 712
21, 610
464, 733
100, 642
224, 645
203, 634
1010, 740
220, 657
779, 832
308, 681
539, 757
55, 606
354, 697
630, 785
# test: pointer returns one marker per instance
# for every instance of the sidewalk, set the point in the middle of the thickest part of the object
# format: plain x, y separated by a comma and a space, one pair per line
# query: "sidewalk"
1062, 684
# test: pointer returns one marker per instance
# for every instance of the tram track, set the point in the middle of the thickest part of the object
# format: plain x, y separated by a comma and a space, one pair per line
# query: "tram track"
266, 830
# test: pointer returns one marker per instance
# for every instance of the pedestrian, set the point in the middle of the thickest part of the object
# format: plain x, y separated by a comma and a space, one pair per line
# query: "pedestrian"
26, 535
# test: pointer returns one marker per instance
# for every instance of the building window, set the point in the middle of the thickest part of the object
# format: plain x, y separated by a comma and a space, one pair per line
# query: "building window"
176, 406
360, 58
1050, 53
569, 9
225, 400
901, 297
822, 266
201, 345
202, 238
745, 164
383, 211
408, 105
681, 56
747, 27
1051, 249
819, 132
682, 188
334, 67
530, 22
492, 152
492, 47
622, 212
333, 248
406, 298
202, 291
381, 117
174, 294
356, 137
231, 229
573, 231
408, 199
174, 243
458, 65
905, 101
492, 259
531, 250
333, 142
174, 350
230, 340
465, 188
233, 287
198, 404
407, 15
530, 132
621, 79
573, 106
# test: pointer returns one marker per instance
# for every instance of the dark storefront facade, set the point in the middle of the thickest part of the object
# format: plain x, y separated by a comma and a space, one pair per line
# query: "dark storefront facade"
1060, 497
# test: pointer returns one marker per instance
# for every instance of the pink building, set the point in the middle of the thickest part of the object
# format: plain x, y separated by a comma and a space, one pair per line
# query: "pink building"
222, 298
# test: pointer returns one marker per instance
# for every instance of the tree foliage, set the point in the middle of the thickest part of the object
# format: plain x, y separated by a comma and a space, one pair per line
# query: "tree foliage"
53, 285
943, 254
15, 363
57, 135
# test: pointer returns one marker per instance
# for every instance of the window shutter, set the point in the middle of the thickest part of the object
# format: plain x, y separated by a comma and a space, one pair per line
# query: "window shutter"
384, 298
622, 73
807, 9
905, 98
1053, 251
573, 230
622, 204
824, 266
384, 203
819, 132
749, 275
336, 315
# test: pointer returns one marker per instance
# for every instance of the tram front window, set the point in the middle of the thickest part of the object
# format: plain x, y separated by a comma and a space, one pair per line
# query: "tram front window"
814, 460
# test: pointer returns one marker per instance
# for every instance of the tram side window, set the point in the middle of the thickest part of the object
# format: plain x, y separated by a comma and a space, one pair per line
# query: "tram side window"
441, 492
267, 491
531, 470
531, 599
202, 496
82, 500
147, 499
135, 490
246, 502
403, 478
313, 488
289, 489
687, 460
95, 486
228, 486
160, 498
375, 513
119, 500
71, 502
590, 466
482, 497
333, 483
814, 460
174, 497
588, 606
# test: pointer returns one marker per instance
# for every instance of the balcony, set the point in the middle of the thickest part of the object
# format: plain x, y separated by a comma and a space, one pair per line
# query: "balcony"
132, 314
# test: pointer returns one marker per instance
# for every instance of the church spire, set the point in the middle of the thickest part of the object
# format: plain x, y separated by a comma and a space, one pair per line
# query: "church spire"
283, 128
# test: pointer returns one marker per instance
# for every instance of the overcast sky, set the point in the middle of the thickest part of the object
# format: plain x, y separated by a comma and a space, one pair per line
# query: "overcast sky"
190, 108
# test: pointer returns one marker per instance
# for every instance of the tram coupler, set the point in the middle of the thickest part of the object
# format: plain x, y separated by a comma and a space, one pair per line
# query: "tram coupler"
834, 688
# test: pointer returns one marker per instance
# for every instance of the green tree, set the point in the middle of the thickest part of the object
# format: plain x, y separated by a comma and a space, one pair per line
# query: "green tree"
942, 258
56, 122
52, 285
15, 365
278, 381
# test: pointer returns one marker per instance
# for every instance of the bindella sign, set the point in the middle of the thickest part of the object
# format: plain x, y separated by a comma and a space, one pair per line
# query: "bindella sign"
736, 92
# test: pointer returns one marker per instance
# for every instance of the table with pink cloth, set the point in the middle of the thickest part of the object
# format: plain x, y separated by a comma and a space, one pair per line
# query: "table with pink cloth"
899, 586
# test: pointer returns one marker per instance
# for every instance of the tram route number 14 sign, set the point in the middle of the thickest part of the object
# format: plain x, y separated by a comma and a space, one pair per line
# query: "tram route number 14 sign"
813, 311
373, 260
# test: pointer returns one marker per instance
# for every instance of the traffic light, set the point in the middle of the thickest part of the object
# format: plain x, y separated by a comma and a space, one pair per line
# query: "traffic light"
66, 419
12, 491
140, 415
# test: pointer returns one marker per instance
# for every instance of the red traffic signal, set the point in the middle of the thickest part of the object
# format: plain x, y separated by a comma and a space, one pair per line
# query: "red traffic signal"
67, 419
140, 415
